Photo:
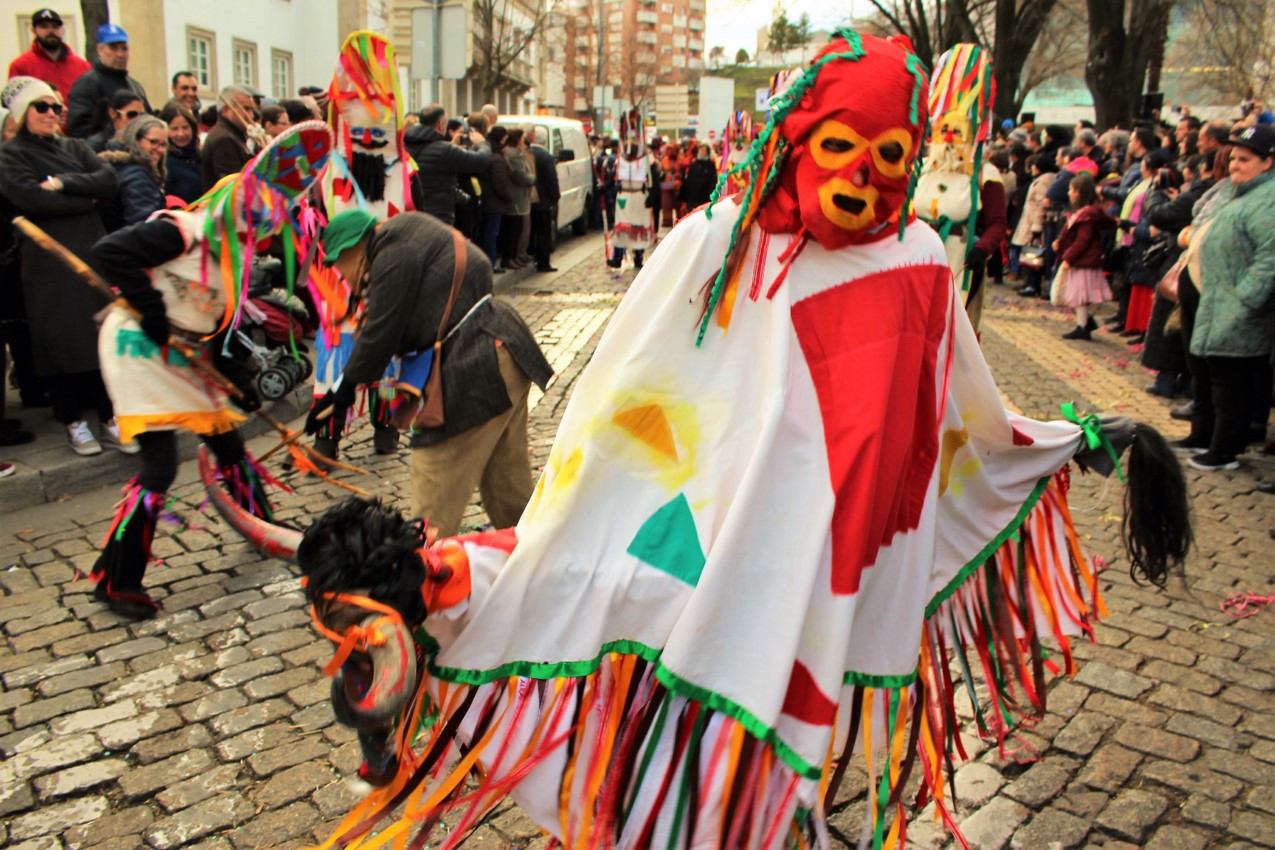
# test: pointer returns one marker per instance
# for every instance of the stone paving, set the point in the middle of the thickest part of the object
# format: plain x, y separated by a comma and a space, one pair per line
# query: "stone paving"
210, 728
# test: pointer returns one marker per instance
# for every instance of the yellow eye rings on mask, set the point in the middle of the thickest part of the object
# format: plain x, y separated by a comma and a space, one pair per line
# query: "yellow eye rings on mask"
833, 145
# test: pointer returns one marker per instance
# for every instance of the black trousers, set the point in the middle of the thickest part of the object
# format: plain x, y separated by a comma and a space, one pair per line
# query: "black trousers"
1226, 401
72, 394
541, 236
123, 561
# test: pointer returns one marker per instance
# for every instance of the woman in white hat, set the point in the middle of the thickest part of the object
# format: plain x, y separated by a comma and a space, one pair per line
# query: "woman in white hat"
56, 182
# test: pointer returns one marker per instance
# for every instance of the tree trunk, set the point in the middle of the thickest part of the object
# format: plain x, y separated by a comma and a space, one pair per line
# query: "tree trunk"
1018, 28
1156, 63
1118, 58
95, 13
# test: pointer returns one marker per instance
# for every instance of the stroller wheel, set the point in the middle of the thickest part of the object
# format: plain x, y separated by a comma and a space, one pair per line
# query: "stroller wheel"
306, 368
273, 383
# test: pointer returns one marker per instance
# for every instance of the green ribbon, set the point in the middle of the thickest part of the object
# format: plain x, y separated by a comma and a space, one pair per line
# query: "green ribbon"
1091, 425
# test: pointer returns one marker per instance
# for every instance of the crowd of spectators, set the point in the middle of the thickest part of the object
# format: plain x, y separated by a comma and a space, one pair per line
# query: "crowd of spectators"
1174, 222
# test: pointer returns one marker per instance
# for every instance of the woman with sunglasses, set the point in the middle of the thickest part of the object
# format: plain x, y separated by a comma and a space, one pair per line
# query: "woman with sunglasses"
56, 183
112, 115
139, 157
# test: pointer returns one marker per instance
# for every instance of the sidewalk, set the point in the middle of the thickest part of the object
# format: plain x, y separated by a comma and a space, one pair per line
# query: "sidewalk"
47, 469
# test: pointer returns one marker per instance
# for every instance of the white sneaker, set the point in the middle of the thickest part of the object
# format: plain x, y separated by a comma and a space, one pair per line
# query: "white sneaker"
82, 440
111, 437
7, 469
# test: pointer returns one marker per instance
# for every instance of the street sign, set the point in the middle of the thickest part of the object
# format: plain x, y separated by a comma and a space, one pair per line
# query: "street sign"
450, 38
672, 106
763, 99
716, 102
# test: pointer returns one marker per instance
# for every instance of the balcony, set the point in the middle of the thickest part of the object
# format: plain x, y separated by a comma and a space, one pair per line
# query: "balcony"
580, 104
696, 24
645, 16
646, 57
679, 21
679, 41
695, 44
700, 6
695, 64
645, 38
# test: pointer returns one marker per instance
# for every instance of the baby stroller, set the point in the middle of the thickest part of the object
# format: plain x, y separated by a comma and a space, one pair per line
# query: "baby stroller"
271, 325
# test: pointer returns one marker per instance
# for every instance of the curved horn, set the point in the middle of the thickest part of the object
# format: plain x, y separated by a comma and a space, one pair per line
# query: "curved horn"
271, 540
392, 681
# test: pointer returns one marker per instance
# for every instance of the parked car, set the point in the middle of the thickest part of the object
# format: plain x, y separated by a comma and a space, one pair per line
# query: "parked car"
566, 140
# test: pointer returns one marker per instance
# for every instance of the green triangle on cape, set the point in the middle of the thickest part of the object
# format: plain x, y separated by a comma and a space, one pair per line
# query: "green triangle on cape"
669, 541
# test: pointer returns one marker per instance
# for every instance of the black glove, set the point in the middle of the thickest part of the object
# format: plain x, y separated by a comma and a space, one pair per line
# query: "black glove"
249, 400
975, 259
155, 326
339, 400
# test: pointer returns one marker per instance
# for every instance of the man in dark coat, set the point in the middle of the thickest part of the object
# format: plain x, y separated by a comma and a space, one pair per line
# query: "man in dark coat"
402, 269
439, 161
225, 150
108, 75
543, 208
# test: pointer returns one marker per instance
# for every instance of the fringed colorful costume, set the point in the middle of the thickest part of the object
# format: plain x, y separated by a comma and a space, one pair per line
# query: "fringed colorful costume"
371, 171
633, 228
784, 491
959, 194
183, 274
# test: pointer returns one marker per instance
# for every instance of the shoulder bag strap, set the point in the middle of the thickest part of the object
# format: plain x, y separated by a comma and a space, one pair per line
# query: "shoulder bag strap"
458, 275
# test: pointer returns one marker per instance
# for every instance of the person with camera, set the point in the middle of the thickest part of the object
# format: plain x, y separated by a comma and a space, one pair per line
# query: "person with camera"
440, 161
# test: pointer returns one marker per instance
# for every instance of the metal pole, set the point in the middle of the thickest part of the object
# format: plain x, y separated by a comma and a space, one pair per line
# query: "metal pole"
438, 80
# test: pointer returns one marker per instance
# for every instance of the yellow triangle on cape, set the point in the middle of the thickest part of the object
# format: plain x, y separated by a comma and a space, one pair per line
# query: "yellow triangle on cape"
649, 424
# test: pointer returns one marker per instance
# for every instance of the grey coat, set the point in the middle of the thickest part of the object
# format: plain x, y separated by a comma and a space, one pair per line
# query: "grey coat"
522, 174
409, 275
60, 306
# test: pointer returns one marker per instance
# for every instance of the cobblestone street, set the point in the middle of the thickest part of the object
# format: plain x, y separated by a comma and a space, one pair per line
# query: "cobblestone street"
209, 727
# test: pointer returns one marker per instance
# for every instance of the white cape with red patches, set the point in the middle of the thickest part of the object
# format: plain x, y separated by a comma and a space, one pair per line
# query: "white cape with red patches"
767, 516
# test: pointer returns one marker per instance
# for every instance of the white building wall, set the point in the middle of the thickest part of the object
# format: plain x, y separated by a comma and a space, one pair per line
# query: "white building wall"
307, 30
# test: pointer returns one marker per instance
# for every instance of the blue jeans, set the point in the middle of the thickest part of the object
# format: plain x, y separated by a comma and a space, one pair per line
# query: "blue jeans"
491, 236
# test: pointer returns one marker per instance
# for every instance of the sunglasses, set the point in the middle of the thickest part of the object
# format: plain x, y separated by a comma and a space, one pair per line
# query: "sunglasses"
153, 141
43, 107
132, 113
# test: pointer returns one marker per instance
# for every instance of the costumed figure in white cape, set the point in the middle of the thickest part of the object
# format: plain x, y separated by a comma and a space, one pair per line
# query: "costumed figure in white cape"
634, 223
183, 273
371, 171
959, 194
783, 490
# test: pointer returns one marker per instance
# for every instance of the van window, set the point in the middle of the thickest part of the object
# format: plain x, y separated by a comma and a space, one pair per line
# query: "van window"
557, 141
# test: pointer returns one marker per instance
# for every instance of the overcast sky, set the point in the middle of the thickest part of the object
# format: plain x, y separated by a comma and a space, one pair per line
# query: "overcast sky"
734, 23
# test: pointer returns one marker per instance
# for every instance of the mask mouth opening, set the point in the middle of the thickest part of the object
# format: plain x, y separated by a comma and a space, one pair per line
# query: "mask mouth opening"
850, 204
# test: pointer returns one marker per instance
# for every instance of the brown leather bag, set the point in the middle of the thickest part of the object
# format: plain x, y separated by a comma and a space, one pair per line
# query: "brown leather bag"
431, 415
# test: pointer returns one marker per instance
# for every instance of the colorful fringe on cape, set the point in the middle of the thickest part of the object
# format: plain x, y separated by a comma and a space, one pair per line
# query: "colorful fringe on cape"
631, 756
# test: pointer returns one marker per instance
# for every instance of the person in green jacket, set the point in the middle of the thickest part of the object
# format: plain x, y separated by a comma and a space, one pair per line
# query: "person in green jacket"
1235, 326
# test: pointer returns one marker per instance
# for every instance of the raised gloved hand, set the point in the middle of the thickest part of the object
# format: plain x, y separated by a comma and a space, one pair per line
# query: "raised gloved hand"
975, 259
338, 400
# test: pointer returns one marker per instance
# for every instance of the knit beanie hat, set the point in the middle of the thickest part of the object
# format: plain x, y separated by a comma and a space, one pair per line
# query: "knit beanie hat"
25, 95
344, 231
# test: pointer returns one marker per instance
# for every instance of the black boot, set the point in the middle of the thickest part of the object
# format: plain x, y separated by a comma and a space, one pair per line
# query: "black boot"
122, 564
1078, 332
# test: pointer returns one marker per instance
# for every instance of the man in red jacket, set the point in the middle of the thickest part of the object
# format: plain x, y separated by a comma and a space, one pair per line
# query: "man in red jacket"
50, 58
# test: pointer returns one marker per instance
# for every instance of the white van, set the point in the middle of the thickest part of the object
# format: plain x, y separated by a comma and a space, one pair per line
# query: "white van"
566, 140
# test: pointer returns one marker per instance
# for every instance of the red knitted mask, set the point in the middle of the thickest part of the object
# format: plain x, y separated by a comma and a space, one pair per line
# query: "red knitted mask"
856, 134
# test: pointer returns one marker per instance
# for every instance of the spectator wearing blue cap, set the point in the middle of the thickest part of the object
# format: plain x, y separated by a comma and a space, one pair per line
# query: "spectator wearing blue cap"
108, 75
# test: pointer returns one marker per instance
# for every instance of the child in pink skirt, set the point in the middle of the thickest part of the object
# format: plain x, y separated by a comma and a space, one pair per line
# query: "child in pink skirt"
1082, 247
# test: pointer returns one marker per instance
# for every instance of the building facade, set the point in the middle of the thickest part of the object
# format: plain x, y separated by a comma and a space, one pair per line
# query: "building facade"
618, 51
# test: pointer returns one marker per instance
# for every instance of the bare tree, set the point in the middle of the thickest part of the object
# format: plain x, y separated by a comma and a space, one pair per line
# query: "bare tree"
1011, 29
1122, 40
716, 56
95, 13
503, 29
1059, 54
636, 69
1227, 48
